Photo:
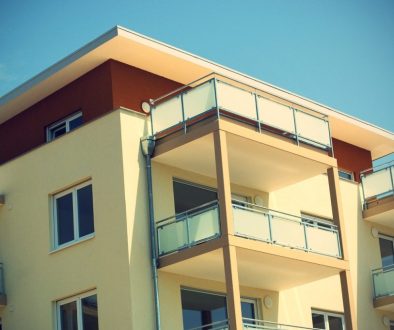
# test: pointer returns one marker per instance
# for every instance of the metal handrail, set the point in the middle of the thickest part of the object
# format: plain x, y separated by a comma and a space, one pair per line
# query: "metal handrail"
377, 168
271, 325
179, 216
383, 269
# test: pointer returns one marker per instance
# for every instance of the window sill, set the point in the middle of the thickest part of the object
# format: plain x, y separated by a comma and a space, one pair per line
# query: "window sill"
73, 243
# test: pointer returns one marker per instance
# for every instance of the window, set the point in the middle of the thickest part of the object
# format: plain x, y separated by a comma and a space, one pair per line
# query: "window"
327, 321
392, 325
346, 174
386, 244
73, 214
78, 313
64, 126
203, 308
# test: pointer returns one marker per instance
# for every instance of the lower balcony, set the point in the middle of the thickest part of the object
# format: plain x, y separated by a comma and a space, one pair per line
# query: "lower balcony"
383, 284
283, 250
3, 297
251, 324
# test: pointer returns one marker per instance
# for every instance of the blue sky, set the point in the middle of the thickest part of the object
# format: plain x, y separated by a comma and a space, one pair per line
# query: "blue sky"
340, 53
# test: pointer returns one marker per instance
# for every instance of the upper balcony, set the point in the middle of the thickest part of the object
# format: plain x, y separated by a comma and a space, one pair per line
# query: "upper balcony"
383, 285
221, 97
3, 297
378, 194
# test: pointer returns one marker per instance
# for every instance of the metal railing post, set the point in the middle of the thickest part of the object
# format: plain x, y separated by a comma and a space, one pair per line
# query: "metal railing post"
187, 231
270, 227
215, 82
183, 113
295, 125
391, 177
257, 111
305, 236
329, 134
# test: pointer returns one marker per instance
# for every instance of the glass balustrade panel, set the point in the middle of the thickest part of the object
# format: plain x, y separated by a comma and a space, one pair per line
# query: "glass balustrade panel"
377, 183
251, 223
203, 225
384, 283
167, 114
287, 232
276, 115
322, 241
312, 128
172, 237
236, 100
199, 99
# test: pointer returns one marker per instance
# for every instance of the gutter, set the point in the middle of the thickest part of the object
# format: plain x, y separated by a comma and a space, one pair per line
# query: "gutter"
147, 148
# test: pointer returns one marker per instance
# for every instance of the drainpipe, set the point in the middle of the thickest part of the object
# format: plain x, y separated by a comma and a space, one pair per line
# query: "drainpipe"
147, 147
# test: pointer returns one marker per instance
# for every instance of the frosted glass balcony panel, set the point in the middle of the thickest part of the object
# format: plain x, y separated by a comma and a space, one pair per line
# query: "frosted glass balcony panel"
236, 100
312, 128
383, 280
323, 241
377, 183
172, 237
204, 225
167, 114
287, 232
276, 115
199, 99
251, 224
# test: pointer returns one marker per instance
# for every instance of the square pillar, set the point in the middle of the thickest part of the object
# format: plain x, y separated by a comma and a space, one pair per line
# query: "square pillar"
345, 276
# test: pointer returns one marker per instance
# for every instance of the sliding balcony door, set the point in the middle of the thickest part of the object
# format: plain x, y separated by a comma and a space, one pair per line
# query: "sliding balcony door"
386, 250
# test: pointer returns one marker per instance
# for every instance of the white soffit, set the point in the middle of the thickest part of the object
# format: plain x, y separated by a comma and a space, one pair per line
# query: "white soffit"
154, 56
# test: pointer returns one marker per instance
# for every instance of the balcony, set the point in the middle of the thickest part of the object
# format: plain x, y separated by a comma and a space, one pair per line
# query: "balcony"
262, 224
378, 194
252, 324
3, 297
383, 285
225, 98
187, 229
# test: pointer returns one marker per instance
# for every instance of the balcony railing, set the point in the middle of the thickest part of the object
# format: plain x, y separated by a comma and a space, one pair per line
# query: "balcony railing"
251, 324
377, 183
217, 97
383, 281
189, 228
262, 224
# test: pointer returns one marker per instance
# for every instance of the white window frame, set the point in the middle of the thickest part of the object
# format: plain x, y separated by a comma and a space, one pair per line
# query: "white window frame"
326, 315
65, 121
78, 299
73, 190
346, 172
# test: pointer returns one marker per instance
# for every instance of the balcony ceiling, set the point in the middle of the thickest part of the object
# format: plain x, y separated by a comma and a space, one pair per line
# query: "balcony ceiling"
252, 164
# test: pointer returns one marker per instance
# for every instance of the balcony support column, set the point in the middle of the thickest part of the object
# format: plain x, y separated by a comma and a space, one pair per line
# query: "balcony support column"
227, 229
345, 276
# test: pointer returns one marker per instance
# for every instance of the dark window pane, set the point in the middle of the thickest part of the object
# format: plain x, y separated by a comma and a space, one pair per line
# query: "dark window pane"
392, 326
85, 211
386, 251
68, 316
75, 123
89, 313
345, 175
187, 196
200, 308
318, 321
335, 323
57, 131
248, 311
64, 213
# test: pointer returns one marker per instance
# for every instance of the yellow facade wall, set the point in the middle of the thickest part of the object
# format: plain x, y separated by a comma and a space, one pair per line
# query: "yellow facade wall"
106, 151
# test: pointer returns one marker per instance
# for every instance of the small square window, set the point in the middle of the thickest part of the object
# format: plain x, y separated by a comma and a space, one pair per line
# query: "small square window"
78, 313
64, 126
73, 215
327, 321
346, 175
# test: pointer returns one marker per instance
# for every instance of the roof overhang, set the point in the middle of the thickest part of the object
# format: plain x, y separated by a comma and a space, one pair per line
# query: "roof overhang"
154, 56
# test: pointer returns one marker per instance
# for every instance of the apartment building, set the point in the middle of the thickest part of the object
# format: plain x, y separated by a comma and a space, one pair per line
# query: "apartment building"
144, 187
